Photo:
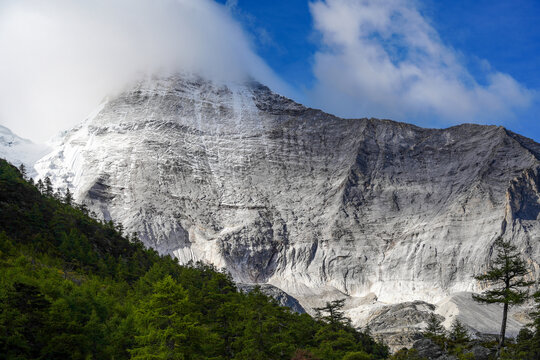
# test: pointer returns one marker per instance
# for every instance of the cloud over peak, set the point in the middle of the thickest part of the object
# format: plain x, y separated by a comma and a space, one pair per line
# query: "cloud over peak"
379, 58
61, 57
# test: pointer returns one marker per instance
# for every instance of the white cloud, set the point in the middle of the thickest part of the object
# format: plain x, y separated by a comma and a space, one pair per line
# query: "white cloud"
382, 58
231, 4
59, 58
378, 58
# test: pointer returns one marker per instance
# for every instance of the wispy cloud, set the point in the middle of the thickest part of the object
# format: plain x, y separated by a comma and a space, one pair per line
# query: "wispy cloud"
378, 58
382, 58
61, 57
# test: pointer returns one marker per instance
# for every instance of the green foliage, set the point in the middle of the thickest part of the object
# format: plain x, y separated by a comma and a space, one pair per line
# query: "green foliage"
22, 170
506, 273
68, 197
170, 326
458, 335
72, 287
507, 278
332, 313
337, 338
301, 354
357, 355
466, 356
527, 345
434, 326
407, 354
436, 331
49, 191
21, 320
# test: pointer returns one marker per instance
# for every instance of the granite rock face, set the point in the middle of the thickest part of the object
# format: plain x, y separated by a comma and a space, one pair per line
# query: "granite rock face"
400, 325
280, 296
427, 349
318, 206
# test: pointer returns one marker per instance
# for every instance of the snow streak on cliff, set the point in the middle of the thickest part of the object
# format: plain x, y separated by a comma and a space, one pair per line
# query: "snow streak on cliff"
319, 206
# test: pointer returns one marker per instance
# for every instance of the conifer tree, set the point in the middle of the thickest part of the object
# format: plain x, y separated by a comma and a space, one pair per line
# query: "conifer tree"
301, 354
169, 327
434, 327
334, 314
40, 186
68, 197
536, 315
123, 301
58, 195
458, 333
506, 275
25, 309
22, 169
49, 191
528, 342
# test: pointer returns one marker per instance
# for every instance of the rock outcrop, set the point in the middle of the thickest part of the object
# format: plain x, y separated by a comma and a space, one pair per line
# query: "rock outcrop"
318, 206
280, 296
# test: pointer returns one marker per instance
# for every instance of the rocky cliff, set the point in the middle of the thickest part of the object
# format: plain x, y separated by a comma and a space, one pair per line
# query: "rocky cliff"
318, 206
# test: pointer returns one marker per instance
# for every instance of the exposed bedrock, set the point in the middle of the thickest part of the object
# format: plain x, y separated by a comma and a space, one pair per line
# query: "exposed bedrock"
319, 206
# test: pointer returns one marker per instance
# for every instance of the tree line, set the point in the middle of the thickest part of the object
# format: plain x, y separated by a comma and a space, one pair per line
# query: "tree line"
508, 283
73, 287
76, 287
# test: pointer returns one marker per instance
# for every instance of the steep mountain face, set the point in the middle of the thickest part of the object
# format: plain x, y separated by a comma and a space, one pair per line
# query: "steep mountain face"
318, 206
20, 151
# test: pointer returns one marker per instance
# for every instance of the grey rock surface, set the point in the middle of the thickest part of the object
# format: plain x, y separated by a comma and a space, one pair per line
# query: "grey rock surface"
279, 295
402, 315
319, 206
481, 353
427, 349
481, 319
400, 325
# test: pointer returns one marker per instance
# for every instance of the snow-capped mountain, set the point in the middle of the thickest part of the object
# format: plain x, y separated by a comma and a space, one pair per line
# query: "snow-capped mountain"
20, 151
321, 207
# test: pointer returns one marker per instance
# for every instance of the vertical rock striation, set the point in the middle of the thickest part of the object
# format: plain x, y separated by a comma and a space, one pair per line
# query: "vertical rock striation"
319, 206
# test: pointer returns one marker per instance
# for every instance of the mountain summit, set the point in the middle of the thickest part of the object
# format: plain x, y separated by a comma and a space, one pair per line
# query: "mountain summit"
318, 206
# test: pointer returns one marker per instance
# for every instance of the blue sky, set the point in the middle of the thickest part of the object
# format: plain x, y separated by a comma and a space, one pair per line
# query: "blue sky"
427, 62
486, 37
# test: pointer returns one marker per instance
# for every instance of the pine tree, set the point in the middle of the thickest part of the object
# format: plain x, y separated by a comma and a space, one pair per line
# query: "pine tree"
58, 195
68, 197
22, 169
459, 334
40, 186
23, 314
301, 354
531, 343
507, 276
169, 328
49, 191
335, 316
434, 327
119, 228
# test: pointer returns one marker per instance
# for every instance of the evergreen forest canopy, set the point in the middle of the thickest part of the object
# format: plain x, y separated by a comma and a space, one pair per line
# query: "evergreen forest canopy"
72, 287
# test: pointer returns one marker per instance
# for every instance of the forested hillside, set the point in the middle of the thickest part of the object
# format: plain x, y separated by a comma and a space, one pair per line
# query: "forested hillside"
72, 287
